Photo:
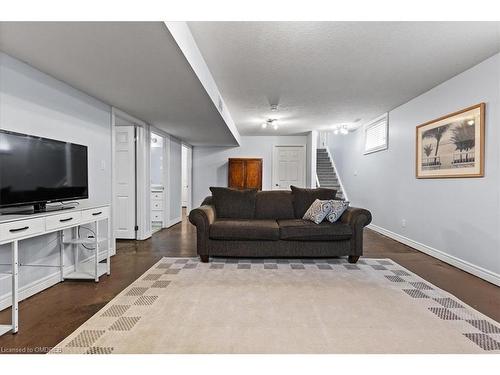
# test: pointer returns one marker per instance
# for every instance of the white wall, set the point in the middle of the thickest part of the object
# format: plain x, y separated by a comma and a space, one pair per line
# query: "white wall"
456, 220
210, 163
35, 103
175, 178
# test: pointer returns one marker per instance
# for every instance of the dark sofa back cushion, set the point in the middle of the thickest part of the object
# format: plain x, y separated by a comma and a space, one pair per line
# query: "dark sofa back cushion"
234, 204
274, 205
303, 198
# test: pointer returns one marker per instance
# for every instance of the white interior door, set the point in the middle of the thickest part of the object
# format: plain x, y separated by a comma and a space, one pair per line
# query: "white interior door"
124, 212
289, 167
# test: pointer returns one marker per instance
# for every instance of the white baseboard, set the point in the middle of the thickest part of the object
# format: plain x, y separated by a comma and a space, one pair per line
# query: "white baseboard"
45, 282
174, 221
478, 271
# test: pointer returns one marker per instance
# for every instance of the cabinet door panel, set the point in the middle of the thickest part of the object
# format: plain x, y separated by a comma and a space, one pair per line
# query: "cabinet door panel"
253, 177
236, 174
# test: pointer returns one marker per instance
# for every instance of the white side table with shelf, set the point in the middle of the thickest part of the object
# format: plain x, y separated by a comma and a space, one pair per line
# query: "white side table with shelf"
15, 228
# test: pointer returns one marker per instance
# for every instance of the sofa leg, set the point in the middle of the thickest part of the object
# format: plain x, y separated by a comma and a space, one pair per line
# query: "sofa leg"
204, 258
353, 258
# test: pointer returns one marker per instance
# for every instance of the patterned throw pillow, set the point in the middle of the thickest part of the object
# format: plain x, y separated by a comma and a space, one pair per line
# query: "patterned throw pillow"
318, 210
338, 208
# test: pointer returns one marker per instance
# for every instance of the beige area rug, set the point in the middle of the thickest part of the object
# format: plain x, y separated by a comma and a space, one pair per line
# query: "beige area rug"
283, 306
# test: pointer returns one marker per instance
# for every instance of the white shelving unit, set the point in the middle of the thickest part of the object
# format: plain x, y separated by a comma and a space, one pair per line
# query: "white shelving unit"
16, 228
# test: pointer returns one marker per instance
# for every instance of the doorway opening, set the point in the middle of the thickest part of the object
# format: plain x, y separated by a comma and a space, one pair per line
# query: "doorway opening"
186, 179
157, 152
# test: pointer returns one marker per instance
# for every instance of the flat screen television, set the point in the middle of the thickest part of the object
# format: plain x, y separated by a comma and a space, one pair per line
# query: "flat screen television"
36, 171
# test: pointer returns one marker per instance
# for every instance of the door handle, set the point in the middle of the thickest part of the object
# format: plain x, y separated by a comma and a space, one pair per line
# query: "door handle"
18, 229
64, 220
97, 213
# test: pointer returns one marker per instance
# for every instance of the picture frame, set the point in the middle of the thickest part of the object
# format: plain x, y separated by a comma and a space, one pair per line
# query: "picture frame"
452, 146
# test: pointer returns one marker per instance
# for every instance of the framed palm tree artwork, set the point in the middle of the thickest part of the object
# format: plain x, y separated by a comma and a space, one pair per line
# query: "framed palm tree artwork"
452, 146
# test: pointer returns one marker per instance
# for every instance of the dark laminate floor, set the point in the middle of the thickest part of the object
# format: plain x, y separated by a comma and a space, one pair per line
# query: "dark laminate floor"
50, 316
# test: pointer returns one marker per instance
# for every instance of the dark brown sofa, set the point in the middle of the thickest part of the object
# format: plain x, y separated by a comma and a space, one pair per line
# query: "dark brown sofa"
276, 231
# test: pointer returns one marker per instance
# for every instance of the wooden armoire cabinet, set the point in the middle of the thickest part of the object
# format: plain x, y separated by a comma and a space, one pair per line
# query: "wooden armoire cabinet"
245, 173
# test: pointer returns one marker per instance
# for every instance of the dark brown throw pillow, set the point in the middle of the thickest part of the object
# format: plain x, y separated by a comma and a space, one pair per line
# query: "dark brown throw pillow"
303, 198
234, 204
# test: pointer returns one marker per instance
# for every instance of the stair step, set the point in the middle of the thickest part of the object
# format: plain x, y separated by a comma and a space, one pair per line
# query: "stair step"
326, 173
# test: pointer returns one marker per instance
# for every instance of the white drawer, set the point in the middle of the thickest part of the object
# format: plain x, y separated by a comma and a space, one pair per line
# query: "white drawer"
62, 220
95, 214
157, 216
157, 196
21, 228
156, 205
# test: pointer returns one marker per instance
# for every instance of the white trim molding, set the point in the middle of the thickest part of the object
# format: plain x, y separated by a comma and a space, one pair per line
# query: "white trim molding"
172, 222
473, 269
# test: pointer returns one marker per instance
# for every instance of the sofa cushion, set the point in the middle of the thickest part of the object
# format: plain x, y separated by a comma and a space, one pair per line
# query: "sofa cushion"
275, 204
304, 230
303, 198
239, 229
234, 204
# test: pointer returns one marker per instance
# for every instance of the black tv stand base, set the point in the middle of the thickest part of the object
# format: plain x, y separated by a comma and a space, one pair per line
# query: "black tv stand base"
39, 207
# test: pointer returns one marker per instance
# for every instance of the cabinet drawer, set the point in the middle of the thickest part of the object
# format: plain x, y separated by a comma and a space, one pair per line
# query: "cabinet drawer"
62, 220
95, 214
157, 216
21, 228
156, 205
157, 196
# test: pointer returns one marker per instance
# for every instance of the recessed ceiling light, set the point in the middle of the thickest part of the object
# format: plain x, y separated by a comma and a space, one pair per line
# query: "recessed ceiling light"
264, 125
275, 125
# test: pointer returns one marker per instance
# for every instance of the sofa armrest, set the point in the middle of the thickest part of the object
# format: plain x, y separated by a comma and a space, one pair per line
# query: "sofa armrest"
202, 217
357, 218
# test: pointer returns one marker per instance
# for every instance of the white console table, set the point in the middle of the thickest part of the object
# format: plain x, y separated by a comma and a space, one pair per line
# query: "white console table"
15, 228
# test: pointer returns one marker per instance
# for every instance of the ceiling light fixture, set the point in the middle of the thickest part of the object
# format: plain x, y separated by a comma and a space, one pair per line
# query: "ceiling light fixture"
270, 122
340, 129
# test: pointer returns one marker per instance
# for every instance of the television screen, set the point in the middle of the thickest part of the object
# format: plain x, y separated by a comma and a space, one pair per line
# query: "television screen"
38, 170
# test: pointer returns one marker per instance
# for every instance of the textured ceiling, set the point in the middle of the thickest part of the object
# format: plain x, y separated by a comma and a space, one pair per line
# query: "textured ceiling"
326, 73
135, 66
